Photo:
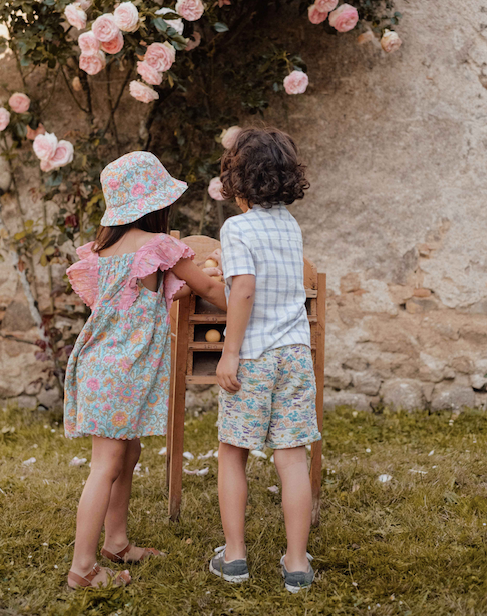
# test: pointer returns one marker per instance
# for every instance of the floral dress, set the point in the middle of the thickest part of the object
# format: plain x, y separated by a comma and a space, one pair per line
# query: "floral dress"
117, 379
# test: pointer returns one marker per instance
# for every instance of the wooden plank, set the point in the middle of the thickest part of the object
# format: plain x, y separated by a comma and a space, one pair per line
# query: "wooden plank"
202, 245
177, 435
310, 277
206, 346
319, 364
206, 379
208, 318
170, 407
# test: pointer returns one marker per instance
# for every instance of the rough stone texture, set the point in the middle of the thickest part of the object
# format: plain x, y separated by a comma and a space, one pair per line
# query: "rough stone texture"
403, 394
396, 217
333, 399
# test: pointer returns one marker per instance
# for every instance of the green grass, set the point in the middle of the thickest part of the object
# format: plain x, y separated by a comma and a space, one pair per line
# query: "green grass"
414, 545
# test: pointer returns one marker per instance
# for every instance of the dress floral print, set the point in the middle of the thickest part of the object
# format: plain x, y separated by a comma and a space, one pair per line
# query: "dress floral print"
275, 406
117, 380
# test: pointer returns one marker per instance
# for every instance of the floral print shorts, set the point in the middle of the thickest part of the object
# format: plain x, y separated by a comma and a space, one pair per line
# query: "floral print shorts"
275, 406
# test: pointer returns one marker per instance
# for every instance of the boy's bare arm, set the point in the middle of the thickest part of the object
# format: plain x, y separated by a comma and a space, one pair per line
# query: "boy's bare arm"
239, 308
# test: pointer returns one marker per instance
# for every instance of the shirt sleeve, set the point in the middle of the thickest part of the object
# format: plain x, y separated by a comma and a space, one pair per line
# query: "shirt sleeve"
237, 259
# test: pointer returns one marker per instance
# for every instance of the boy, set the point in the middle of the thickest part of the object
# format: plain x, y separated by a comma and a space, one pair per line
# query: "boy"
267, 395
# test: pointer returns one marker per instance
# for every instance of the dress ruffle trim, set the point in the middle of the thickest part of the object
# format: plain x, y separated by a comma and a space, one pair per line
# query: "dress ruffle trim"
83, 275
161, 253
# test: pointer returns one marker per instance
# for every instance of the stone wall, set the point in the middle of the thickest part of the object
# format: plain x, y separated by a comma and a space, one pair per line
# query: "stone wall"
396, 149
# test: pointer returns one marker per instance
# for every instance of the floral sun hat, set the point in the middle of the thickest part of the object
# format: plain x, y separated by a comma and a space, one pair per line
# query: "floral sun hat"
134, 185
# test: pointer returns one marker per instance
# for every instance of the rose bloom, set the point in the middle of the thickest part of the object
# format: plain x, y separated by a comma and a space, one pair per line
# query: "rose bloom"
191, 10
63, 154
75, 15
84, 4
325, 6
193, 41
19, 102
344, 19
115, 45
229, 136
88, 43
215, 189
160, 56
315, 15
296, 82
45, 146
4, 118
92, 64
390, 41
366, 37
32, 134
76, 84
126, 17
143, 93
177, 24
149, 74
46, 166
104, 28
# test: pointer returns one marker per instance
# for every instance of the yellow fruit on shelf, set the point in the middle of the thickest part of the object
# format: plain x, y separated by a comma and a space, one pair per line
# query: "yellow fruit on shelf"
213, 335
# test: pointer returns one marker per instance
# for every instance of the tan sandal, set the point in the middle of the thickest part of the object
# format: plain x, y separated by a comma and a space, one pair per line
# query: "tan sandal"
121, 557
121, 579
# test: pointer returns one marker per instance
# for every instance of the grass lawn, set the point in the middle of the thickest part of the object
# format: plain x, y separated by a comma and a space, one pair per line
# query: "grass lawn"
415, 544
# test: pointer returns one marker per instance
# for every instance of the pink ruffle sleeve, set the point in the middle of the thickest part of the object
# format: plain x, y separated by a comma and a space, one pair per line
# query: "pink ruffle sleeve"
161, 253
83, 275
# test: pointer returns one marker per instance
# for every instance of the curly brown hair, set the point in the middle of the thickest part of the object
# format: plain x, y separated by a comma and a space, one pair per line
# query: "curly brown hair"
262, 168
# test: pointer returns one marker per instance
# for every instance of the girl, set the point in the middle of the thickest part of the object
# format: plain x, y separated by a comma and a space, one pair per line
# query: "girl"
117, 380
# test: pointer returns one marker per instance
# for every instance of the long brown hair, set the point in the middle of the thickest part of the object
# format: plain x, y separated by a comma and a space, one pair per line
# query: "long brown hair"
155, 222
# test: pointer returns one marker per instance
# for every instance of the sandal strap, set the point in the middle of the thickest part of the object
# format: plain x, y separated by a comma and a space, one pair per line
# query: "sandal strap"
118, 557
86, 581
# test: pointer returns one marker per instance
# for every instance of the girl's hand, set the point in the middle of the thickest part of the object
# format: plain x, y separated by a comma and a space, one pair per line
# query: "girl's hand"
226, 372
212, 271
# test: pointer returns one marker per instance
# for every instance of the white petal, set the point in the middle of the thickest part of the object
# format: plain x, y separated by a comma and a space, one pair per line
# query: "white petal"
258, 454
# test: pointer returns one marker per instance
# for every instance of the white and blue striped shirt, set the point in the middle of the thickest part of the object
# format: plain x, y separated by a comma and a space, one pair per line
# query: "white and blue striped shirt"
268, 244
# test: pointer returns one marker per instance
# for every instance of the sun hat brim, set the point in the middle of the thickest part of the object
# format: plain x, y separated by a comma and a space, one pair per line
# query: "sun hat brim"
140, 206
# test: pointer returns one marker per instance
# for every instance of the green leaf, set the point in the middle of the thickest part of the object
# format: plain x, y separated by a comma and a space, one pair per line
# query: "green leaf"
160, 24
19, 236
220, 26
43, 260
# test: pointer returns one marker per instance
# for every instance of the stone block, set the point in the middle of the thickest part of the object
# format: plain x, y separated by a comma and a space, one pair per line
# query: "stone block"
402, 394
17, 318
27, 403
366, 383
462, 364
350, 283
198, 402
422, 293
332, 399
337, 378
452, 397
479, 382
417, 305
50, 398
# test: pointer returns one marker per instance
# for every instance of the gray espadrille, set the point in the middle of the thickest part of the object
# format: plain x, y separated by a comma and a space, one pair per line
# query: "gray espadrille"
235, 571
294, 581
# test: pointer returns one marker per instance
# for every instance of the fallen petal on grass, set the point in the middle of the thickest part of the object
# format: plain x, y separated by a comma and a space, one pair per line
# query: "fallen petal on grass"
415, 470
163, 451
77, 461
273, 489
29, 462
385, 478
188, 455
431, 452
258, 454
198, 472
205, 456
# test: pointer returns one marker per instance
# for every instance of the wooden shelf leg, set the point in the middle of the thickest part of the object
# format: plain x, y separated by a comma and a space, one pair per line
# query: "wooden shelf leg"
170, 406
316, 448
179, 398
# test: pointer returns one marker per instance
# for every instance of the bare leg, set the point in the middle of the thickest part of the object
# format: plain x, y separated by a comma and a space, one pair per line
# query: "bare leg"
106, 465
296, 504
232, 494
116, 516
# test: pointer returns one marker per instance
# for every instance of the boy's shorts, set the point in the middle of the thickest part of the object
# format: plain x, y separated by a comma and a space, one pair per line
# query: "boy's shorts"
275, 406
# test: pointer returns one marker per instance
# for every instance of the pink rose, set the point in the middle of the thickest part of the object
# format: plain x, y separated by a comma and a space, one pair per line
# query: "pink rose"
390, 41
84, 4
92, 64
126, 17
366, 37
315, 15
75, 15
344, 19
142, 93
149, 74
325, 6
32, 134
63, 154
193, 41
191, 10
296, 82
19, 102
229, 137
177, 24
215, 189
45, 146
160, 56
113, 46
88, 43
46, 166
93, 384
4, 118
104, 28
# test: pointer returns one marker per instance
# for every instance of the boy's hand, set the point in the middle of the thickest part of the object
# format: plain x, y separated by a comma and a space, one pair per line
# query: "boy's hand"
216, 255
226, 372
213, 271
